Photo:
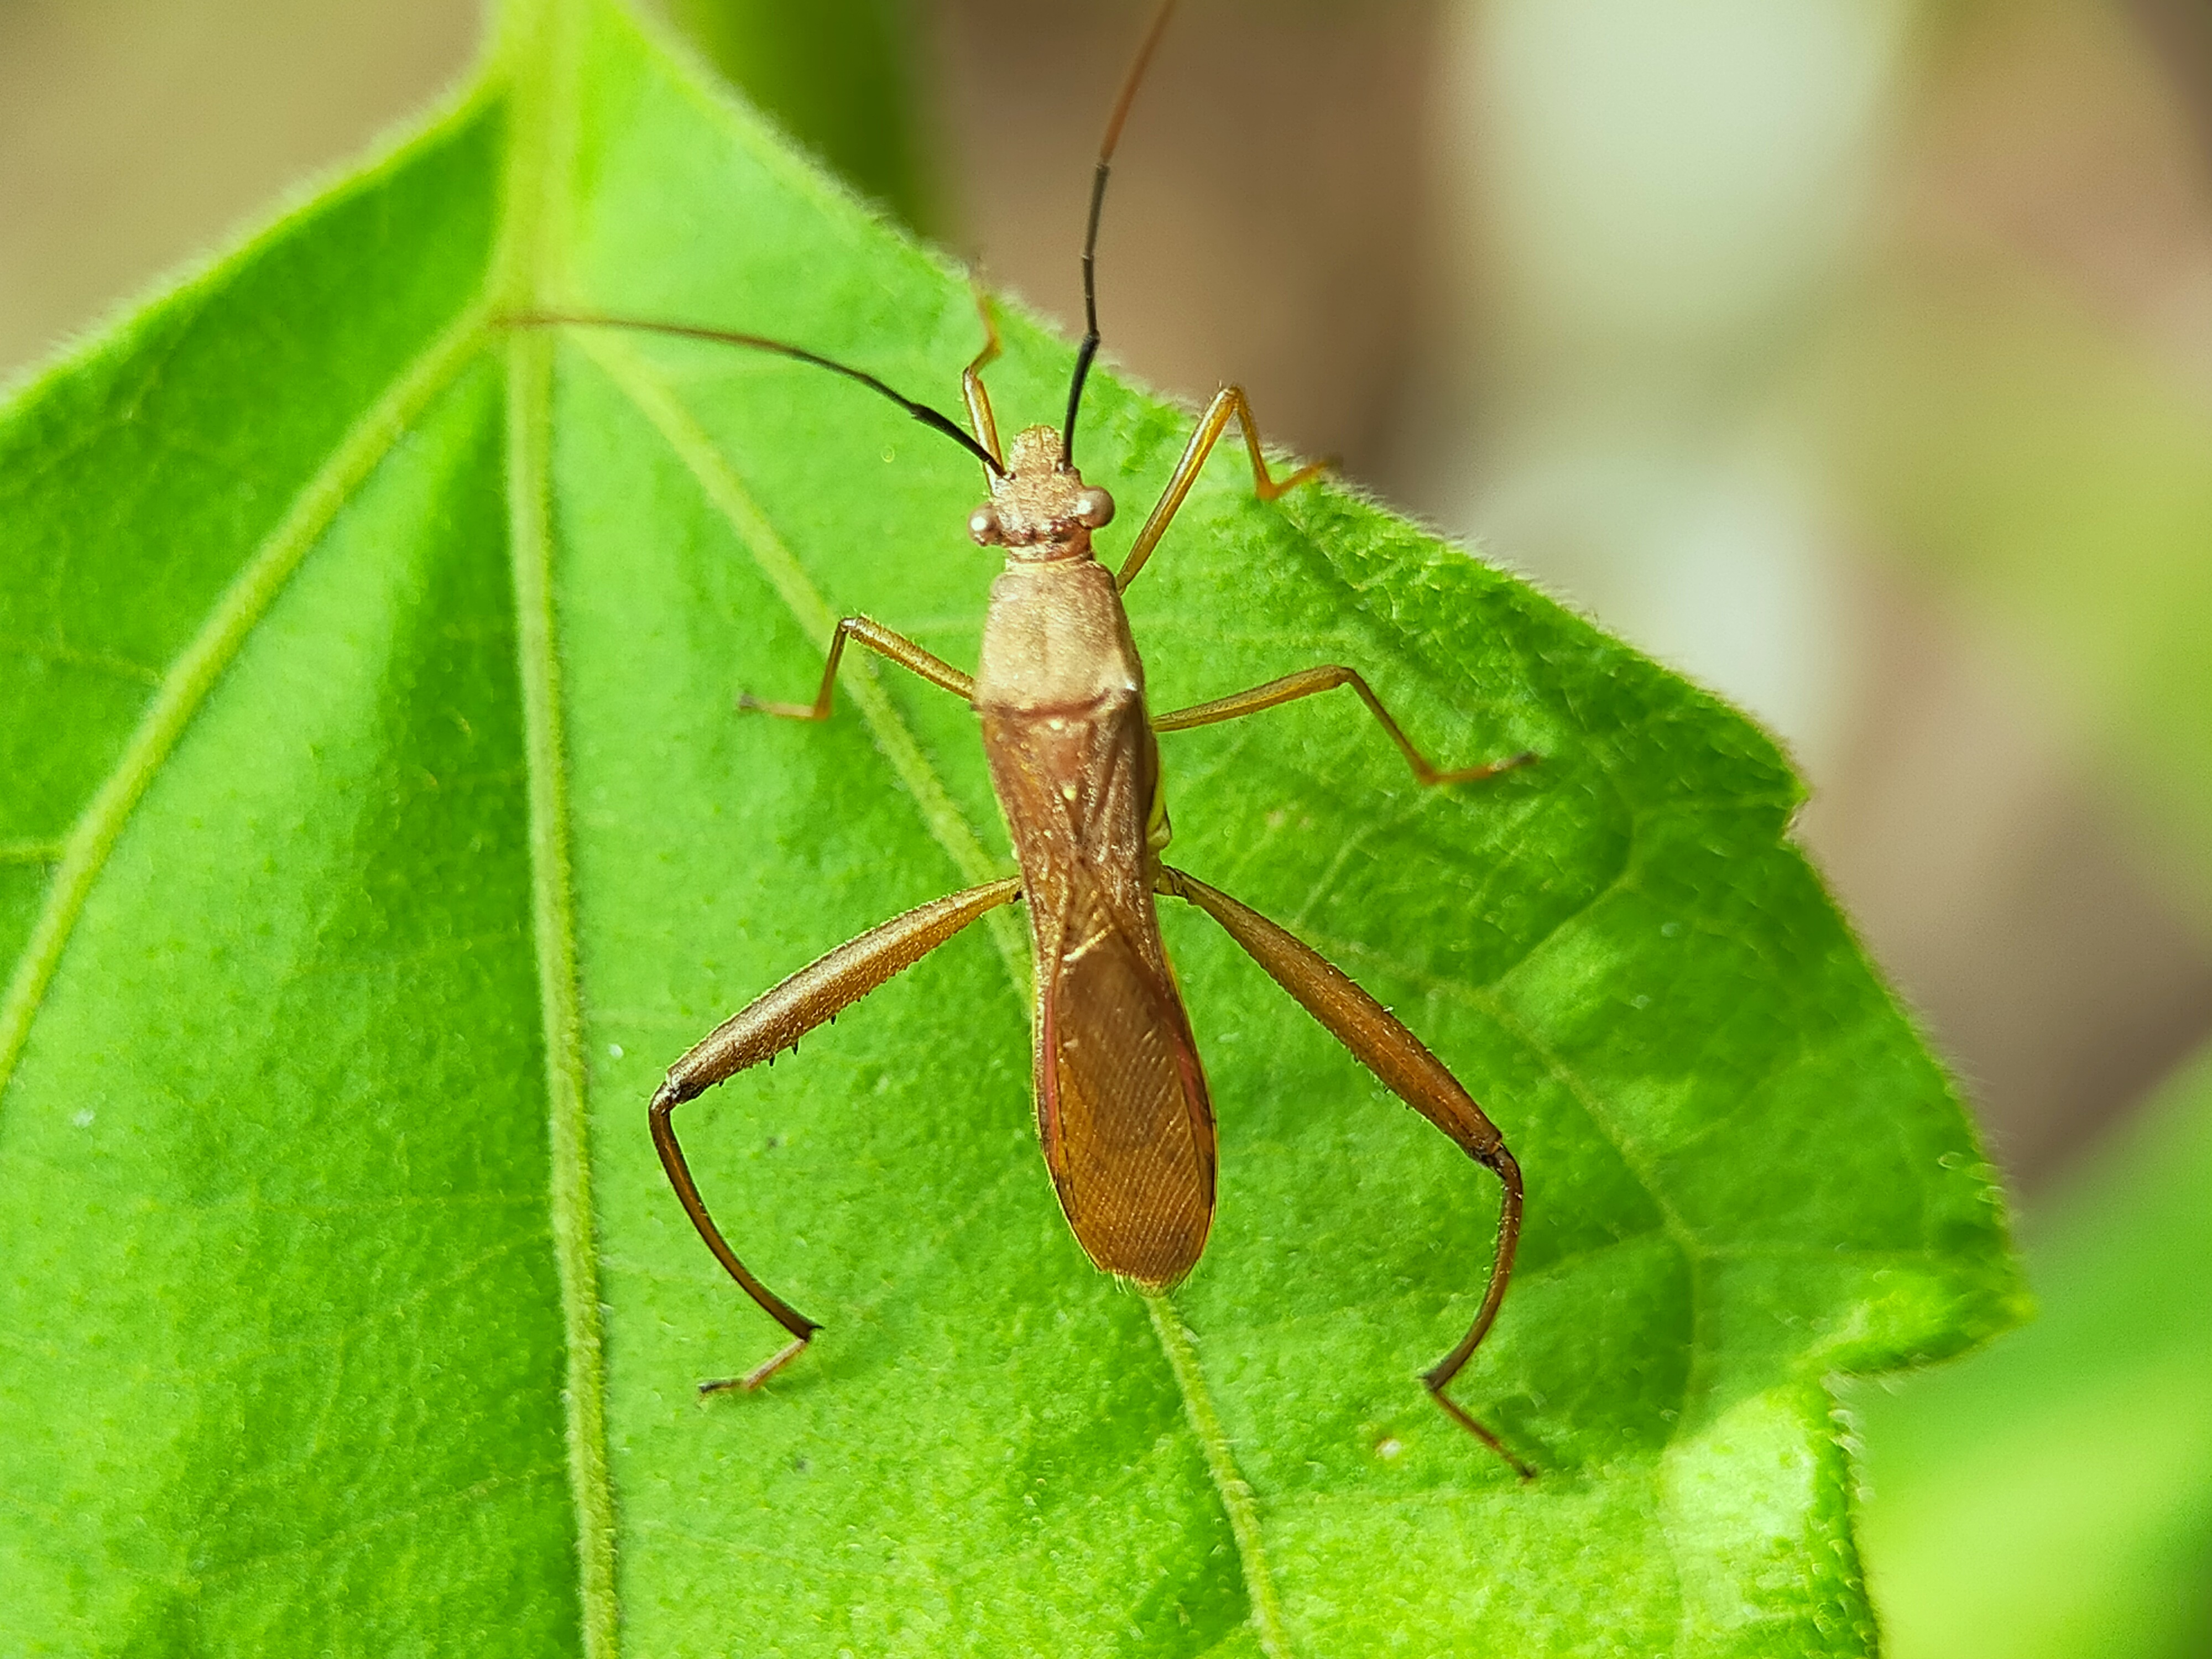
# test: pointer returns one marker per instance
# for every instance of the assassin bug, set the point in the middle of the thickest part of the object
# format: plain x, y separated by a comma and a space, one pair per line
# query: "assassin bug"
1122, 1109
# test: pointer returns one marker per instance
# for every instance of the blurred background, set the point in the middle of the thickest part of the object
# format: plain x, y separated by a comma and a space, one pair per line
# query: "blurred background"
1852, 356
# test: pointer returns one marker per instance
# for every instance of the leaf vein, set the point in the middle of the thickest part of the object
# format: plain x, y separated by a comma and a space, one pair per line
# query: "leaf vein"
101, 662
190, 681
545, 67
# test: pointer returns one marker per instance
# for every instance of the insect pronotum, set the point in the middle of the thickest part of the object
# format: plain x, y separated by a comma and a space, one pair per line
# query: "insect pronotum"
1121, 1104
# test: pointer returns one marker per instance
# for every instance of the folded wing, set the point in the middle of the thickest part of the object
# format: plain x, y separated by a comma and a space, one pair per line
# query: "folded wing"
1123, 1108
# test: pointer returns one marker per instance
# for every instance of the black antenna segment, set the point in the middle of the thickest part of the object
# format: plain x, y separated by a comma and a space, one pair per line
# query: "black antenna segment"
1089, 349
929, 417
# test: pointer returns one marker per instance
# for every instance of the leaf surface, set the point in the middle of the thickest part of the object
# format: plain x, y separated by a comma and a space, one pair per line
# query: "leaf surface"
379, 824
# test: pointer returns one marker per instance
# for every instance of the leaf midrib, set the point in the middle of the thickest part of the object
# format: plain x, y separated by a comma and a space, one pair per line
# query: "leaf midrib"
539, 58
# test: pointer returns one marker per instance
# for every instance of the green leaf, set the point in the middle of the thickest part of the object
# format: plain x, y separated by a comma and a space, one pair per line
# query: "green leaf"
379, 824
2055, 1496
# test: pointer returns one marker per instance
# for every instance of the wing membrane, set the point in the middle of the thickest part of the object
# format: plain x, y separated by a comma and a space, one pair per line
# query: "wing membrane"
1127, 1129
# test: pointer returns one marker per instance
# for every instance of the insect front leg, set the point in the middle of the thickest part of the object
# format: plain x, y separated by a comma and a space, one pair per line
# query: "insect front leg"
774, 1021
981, 421
880, 640
1230, 403
1380, 1043
1327, 678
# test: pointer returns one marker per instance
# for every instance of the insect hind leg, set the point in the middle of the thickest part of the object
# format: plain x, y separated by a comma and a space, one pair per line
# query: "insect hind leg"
1382, 1044
776, 1020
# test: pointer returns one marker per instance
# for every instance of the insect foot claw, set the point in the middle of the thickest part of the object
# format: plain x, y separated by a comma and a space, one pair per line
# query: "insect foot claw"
1429, 775
749, 704
760, 1373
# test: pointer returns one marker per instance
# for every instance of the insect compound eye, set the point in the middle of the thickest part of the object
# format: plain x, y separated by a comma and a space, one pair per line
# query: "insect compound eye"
985, 526
1094, 510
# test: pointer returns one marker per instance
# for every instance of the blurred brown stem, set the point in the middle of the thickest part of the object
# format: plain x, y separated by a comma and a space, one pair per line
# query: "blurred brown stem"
838, 74
2182, 31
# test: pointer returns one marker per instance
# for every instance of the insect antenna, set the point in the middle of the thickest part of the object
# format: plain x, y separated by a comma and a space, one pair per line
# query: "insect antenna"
1089, 349
934, 419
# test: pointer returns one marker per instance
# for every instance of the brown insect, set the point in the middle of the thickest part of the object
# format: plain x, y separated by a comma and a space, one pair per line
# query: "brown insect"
1121, 1102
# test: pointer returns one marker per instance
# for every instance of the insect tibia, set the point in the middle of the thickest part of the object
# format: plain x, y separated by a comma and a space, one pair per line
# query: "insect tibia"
1459, 1415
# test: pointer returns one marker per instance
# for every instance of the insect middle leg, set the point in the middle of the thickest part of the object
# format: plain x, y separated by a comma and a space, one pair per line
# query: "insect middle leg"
880, 640
1380, 1043
1229, 404
775, 1021
1306, 683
